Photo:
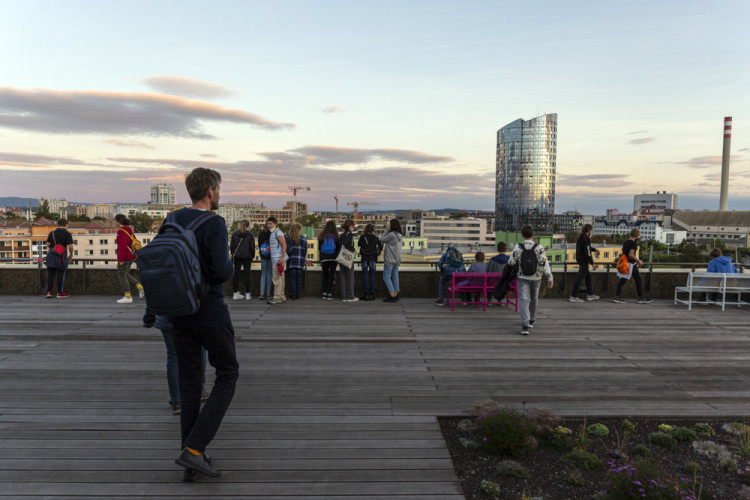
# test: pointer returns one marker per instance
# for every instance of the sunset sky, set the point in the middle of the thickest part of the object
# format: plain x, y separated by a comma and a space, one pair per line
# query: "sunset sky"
390, 102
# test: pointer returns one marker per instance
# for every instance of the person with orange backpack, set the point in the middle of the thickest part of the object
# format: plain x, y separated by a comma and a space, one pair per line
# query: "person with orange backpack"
629, 249
127, 250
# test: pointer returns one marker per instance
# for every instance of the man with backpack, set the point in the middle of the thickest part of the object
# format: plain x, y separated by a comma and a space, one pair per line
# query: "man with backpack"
532, 264
210, 327
451, 262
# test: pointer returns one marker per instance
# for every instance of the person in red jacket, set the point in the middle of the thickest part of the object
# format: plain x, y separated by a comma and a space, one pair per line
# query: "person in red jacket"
125, 258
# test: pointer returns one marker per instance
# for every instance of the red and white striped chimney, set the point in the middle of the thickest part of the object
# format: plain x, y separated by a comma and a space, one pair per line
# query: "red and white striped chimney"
724, 195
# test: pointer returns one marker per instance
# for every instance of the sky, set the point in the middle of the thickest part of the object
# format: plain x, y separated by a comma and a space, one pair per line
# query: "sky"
392, 102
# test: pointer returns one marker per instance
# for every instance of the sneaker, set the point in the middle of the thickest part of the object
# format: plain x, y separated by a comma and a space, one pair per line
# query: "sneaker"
141, 293
531, 323
345, 300
248, 296
237, 296
355, 299
524, 330
48, 295
261, 297
439, 303
148, 325
175, 408
644, 300
124, 300
63, 295
324, 297
329, 296
619, 300
389, 299
592, 297
573, 298
274, 301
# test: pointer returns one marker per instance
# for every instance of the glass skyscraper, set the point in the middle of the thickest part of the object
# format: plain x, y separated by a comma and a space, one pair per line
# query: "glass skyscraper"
525, 175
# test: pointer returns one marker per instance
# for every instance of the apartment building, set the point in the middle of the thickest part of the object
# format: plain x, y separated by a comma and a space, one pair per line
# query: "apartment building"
462, 232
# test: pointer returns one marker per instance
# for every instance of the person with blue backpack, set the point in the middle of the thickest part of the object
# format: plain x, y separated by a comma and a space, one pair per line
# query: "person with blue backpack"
328, 248
532, 265
451, 262
266, 268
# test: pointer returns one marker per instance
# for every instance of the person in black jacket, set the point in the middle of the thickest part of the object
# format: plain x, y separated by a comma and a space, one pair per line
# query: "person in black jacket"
242, 249
369, 249
346, 273
584, 259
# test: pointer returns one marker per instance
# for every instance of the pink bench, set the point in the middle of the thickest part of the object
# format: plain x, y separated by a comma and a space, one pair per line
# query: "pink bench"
482, 284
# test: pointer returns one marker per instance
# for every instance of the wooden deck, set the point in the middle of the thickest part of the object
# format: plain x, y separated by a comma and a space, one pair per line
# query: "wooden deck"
336, 400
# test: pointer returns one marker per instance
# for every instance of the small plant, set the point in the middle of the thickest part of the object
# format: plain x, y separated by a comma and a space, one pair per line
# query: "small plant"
744, 474
641, 451
506, 432
491, 488
575, 478
468, 443
511, 468
744, 446
684, 434
564, 431
582, 459
711, 450
644, 479
735, 428
691, 468
665, 428
728, 465
582, 438
600, 430
627, 426
662, 440
466, 425
704, 430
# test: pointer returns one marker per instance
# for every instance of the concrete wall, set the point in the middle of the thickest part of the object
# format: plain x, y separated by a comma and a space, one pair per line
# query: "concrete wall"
25, 280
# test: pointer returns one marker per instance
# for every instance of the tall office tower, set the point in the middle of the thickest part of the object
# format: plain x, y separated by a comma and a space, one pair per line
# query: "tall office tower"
163, 194
525, 175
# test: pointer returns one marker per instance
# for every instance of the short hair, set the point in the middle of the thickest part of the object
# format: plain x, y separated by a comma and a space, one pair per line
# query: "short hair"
199, 180
479, 256
245, 223
369, 229
635, 232
272, 219
527, 232
715, 252
502, 247
62, 222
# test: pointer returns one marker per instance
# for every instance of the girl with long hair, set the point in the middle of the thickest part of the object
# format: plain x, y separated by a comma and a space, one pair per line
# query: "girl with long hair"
328, 248
125, 259
392, 240
347, 275
297, 260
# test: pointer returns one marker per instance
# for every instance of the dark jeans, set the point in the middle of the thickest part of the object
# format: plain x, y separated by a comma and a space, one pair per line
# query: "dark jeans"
637, 277
368, 276
445, 281
51, 274
295, 281
173, 371
149, 318
210, 328
329, 275
584, 273
242, 266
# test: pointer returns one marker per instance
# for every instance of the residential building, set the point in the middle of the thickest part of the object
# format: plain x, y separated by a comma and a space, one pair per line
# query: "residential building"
526, 165
104, 210
462, 232
654, 203
55, 205
650, 230
163, 194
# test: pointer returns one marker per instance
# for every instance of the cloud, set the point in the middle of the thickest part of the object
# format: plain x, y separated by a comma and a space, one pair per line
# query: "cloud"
593, 180
187, 87
208, 155
131, 144
123, 113
23, 160
706, 161
744, 149
333, 109
643, 140
331, 155
636, 132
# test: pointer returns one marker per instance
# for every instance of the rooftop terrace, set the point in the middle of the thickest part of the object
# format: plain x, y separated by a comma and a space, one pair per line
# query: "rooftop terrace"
336, 400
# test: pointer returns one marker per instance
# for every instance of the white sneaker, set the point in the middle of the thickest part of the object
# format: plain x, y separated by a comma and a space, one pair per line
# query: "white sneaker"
355, 299
248, 296
592, 297
125, 300
141, 293
237, 296
575, 299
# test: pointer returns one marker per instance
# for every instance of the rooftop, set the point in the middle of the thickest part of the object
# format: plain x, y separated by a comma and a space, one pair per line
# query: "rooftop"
336, 399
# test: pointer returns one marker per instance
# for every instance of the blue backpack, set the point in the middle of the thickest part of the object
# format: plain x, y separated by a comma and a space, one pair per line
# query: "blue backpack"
170, 270
329, 246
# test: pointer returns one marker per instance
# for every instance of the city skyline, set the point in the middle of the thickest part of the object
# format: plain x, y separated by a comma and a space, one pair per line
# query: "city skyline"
397, 104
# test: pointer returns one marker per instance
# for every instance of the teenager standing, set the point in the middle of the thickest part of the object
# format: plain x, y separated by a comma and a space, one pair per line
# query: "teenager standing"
297, 260
328, 247
59, 254
392, 241
584, 259
242, 248
266, 273
369, 249
347, 274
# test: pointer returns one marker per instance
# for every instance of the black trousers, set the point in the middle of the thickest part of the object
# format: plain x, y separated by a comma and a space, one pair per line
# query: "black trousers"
583, 273
53, 273
210, 328
637, 277
329, 275
242, 266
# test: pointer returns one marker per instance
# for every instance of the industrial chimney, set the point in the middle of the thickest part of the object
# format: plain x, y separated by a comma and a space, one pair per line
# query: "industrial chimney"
724, 195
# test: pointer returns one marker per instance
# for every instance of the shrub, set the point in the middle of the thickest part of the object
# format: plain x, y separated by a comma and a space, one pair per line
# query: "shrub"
684, 434
735, 428
600, 430
641, 451
728, 465
665, 428
691, 468
466, 425
582, 459
557, 441
491, 488
644, 479
704, 430
662, 440
627, 426
511, 468
468, 443
744, 474
575, 478
712, 450
506, 432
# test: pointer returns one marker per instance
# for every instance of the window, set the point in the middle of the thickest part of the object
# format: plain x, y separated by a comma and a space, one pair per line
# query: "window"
91, 242
102, 242
104, 252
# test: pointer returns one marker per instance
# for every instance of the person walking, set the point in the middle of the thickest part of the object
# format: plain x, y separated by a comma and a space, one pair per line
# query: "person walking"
59, 255
125, 259
277, 244
532, 265
347, 274
297, 260
450, 262
242, 248
266, 271
328, 248
392, 241
369, 249
210, 328
584, 259
629, 249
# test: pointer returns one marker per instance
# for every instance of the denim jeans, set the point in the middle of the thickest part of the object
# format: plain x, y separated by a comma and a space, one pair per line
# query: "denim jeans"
528, 297
445, 280
295, 281
390, 276
368, 276
266, 276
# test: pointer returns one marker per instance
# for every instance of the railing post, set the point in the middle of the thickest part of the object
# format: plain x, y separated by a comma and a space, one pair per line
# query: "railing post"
84, 276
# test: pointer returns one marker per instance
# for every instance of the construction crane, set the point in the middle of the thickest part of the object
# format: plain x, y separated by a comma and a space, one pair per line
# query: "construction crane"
356, 205
294, 190
336, 197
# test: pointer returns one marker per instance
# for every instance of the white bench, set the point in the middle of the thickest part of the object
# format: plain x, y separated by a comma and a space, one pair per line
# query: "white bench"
719, 283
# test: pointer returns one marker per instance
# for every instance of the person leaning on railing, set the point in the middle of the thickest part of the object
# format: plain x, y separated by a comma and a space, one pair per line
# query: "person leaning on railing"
59, 255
